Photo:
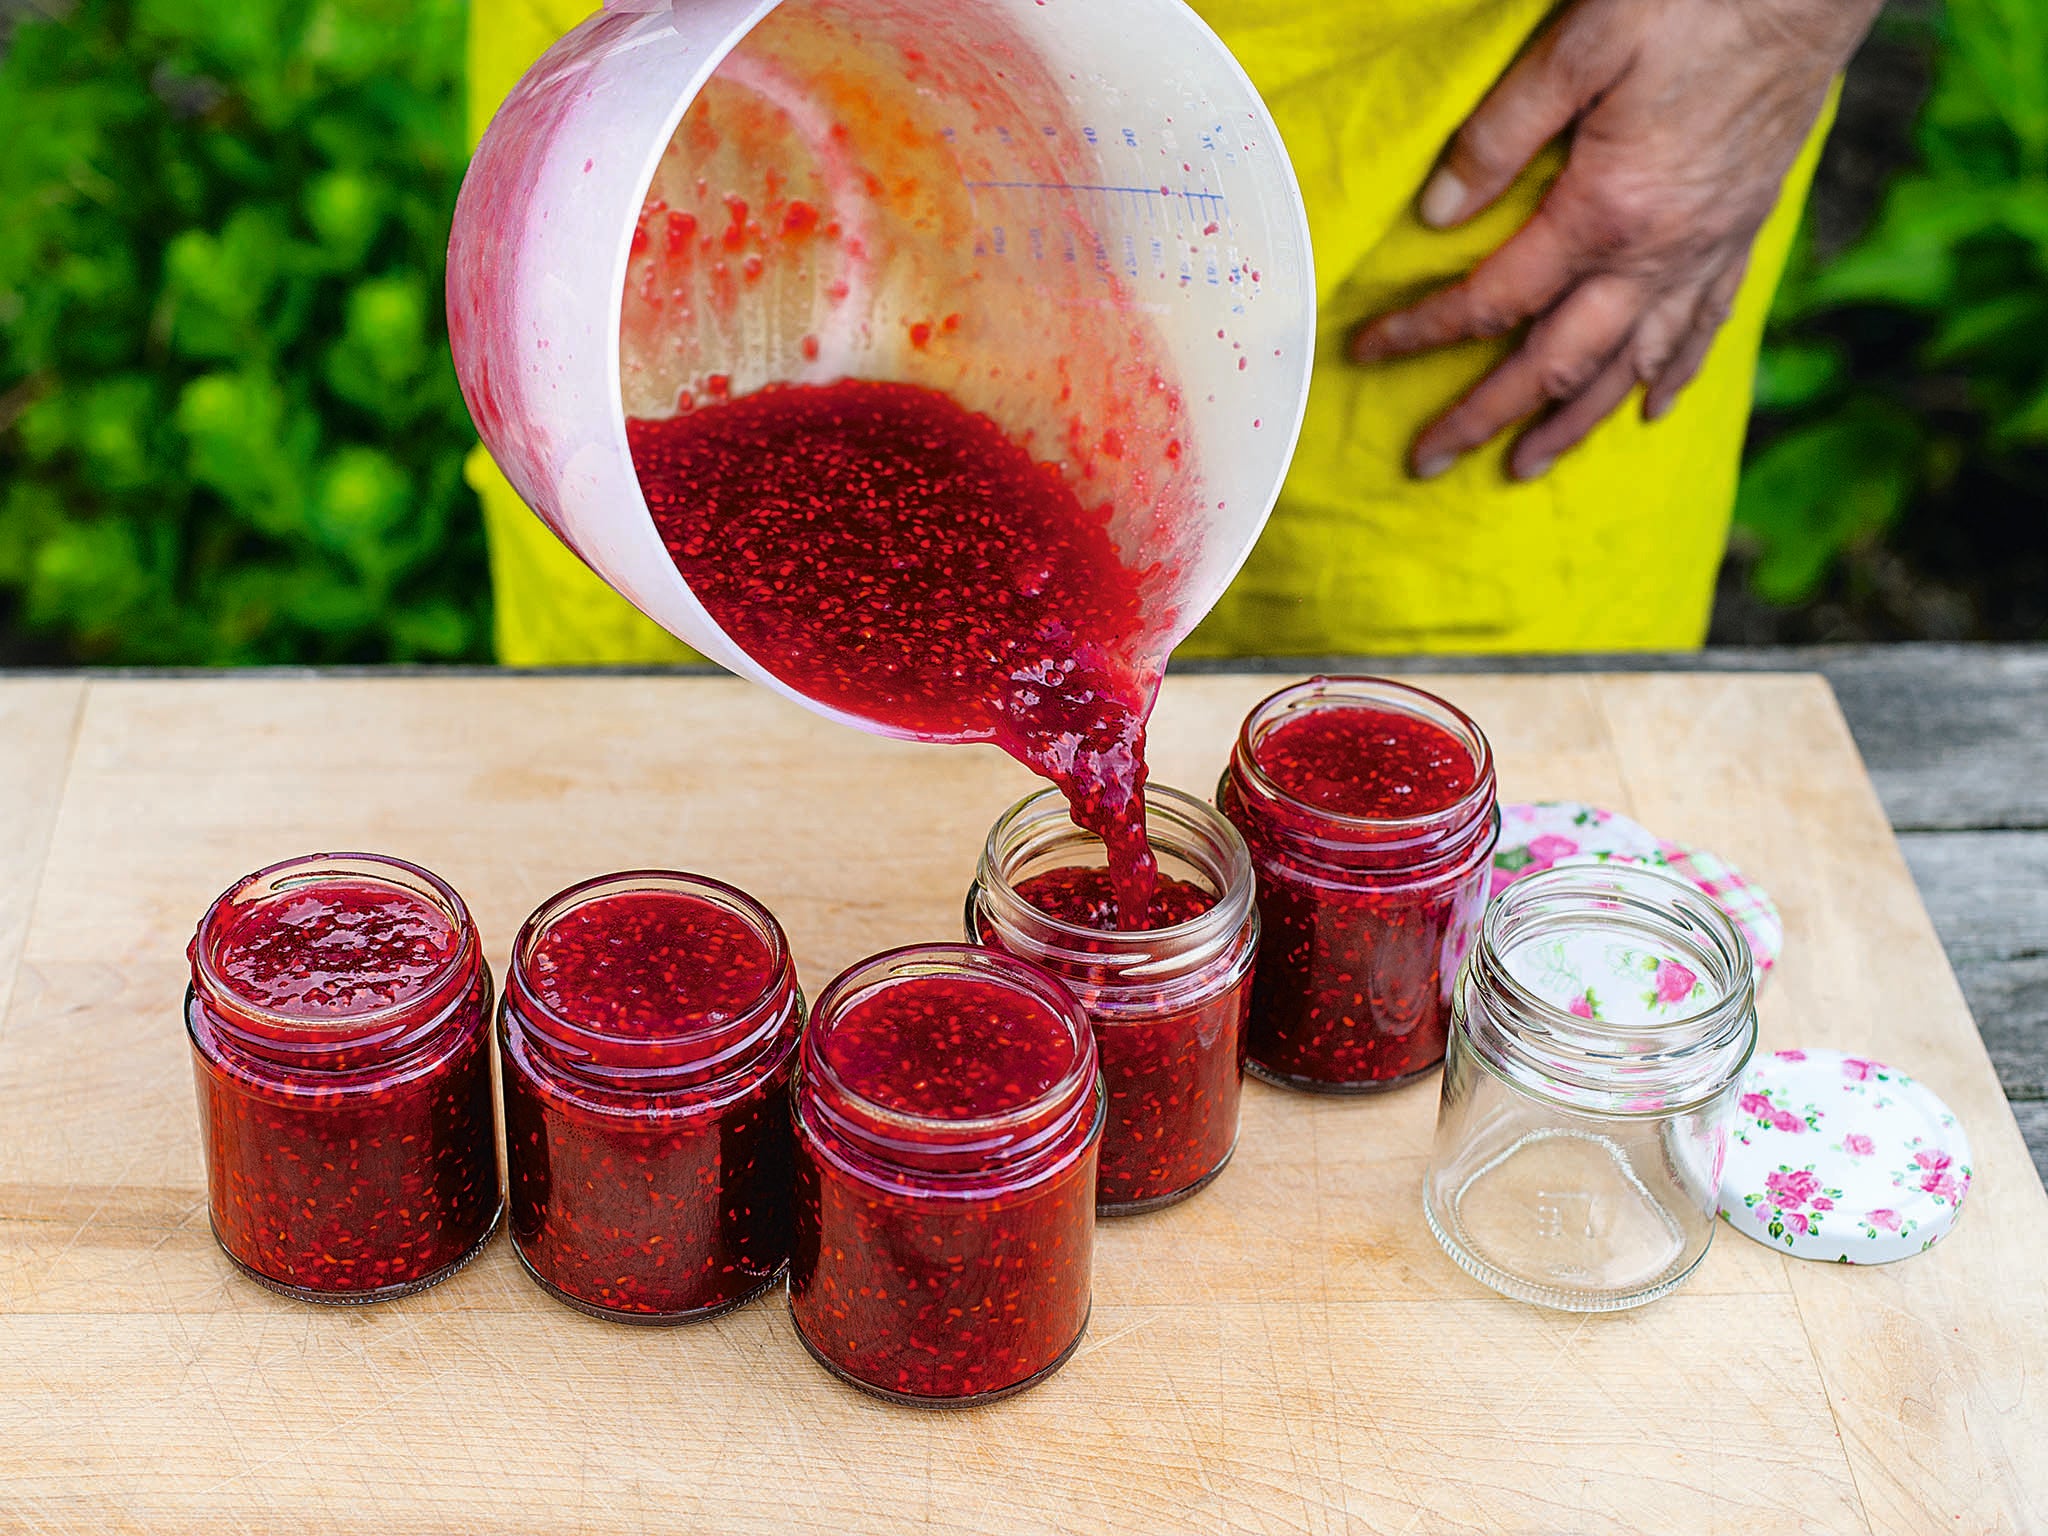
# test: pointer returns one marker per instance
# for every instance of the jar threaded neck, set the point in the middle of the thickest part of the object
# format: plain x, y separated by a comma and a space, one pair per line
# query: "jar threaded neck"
1667, 1018
698, 1057
892, 1142
1145, 969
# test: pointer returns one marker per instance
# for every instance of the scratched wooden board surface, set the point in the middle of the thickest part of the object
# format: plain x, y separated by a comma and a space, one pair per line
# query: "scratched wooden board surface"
1290, 1352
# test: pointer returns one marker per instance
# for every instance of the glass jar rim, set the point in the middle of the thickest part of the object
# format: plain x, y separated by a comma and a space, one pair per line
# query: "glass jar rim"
1549, 1045
1342, 691
890, 968
1234, 902
521, 994
311, 871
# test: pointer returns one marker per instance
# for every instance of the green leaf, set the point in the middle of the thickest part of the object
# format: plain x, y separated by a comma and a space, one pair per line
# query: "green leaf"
2019, 319
90, 573
245, 442
29, 514
1795, 374
1820, 490
2004, 46
362, 497
218, 287
115, 425
346, 210
1909, 257
383, 347
2028, 424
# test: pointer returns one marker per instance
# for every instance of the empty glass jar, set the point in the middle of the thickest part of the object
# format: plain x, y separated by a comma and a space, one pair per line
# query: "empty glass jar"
1598, 1038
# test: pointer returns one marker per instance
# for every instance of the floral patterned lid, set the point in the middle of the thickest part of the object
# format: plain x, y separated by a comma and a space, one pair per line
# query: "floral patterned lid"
1543, 834
1842, 1159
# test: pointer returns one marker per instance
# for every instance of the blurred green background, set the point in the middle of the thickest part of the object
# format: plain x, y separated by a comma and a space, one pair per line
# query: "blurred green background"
229, 431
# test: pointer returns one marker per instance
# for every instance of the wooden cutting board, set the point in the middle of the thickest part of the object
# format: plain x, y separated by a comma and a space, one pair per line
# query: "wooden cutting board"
1290, 1352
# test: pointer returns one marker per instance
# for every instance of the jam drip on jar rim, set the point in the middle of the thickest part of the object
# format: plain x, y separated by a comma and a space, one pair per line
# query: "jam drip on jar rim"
1167, 1003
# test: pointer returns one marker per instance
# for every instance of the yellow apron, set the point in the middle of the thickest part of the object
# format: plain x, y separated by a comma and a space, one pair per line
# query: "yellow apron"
1615, 549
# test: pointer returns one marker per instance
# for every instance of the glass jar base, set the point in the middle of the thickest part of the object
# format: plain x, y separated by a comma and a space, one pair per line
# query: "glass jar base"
1557, 1298
361, 1298
911, 1400
1161, 1202
1338, 1090
646, 1319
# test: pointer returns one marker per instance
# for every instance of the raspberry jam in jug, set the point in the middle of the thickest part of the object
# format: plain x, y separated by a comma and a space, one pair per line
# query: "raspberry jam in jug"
647, 1039
1370, 813
1168, 1001
948, 1111
339, 1015
893, 555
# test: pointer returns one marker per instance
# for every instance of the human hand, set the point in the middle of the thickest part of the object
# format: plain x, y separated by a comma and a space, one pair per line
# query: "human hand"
1685, 116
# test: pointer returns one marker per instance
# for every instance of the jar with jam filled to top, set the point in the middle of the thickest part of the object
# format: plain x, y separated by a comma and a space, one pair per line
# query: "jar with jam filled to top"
647, 1039
339, 1014
1370, 811
948, 1111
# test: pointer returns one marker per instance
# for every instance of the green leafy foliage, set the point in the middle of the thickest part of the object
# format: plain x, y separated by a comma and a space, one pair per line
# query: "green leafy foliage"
229, 428
1905, 386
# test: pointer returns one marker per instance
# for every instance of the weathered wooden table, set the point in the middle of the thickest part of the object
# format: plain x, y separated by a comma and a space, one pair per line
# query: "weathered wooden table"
1289, 1352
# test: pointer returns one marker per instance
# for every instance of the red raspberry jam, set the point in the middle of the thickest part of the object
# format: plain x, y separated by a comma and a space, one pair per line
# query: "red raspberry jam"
895, 557
948, 1110
1370, 812
647, 1039
1168, 1002
339, 1014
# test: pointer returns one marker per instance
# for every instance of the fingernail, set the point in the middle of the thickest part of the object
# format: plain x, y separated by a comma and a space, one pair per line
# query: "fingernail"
1442, 200
1365, 346
1536, 469
1430, 468
1655, 407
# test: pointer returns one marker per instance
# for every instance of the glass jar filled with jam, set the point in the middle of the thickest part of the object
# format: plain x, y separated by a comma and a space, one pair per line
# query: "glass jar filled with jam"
1598, 1044
1167, 995
1370, 811
339, 1013
948, 1111
648, 1036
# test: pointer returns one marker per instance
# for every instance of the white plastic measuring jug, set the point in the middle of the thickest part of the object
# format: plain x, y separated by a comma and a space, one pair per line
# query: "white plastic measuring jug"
1073, 216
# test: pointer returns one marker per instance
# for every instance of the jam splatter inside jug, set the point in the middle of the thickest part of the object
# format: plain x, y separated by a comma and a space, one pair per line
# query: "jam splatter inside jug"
891, 554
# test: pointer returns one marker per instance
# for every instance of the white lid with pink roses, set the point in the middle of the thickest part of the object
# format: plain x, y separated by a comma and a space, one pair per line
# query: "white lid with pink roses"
1842, 1159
